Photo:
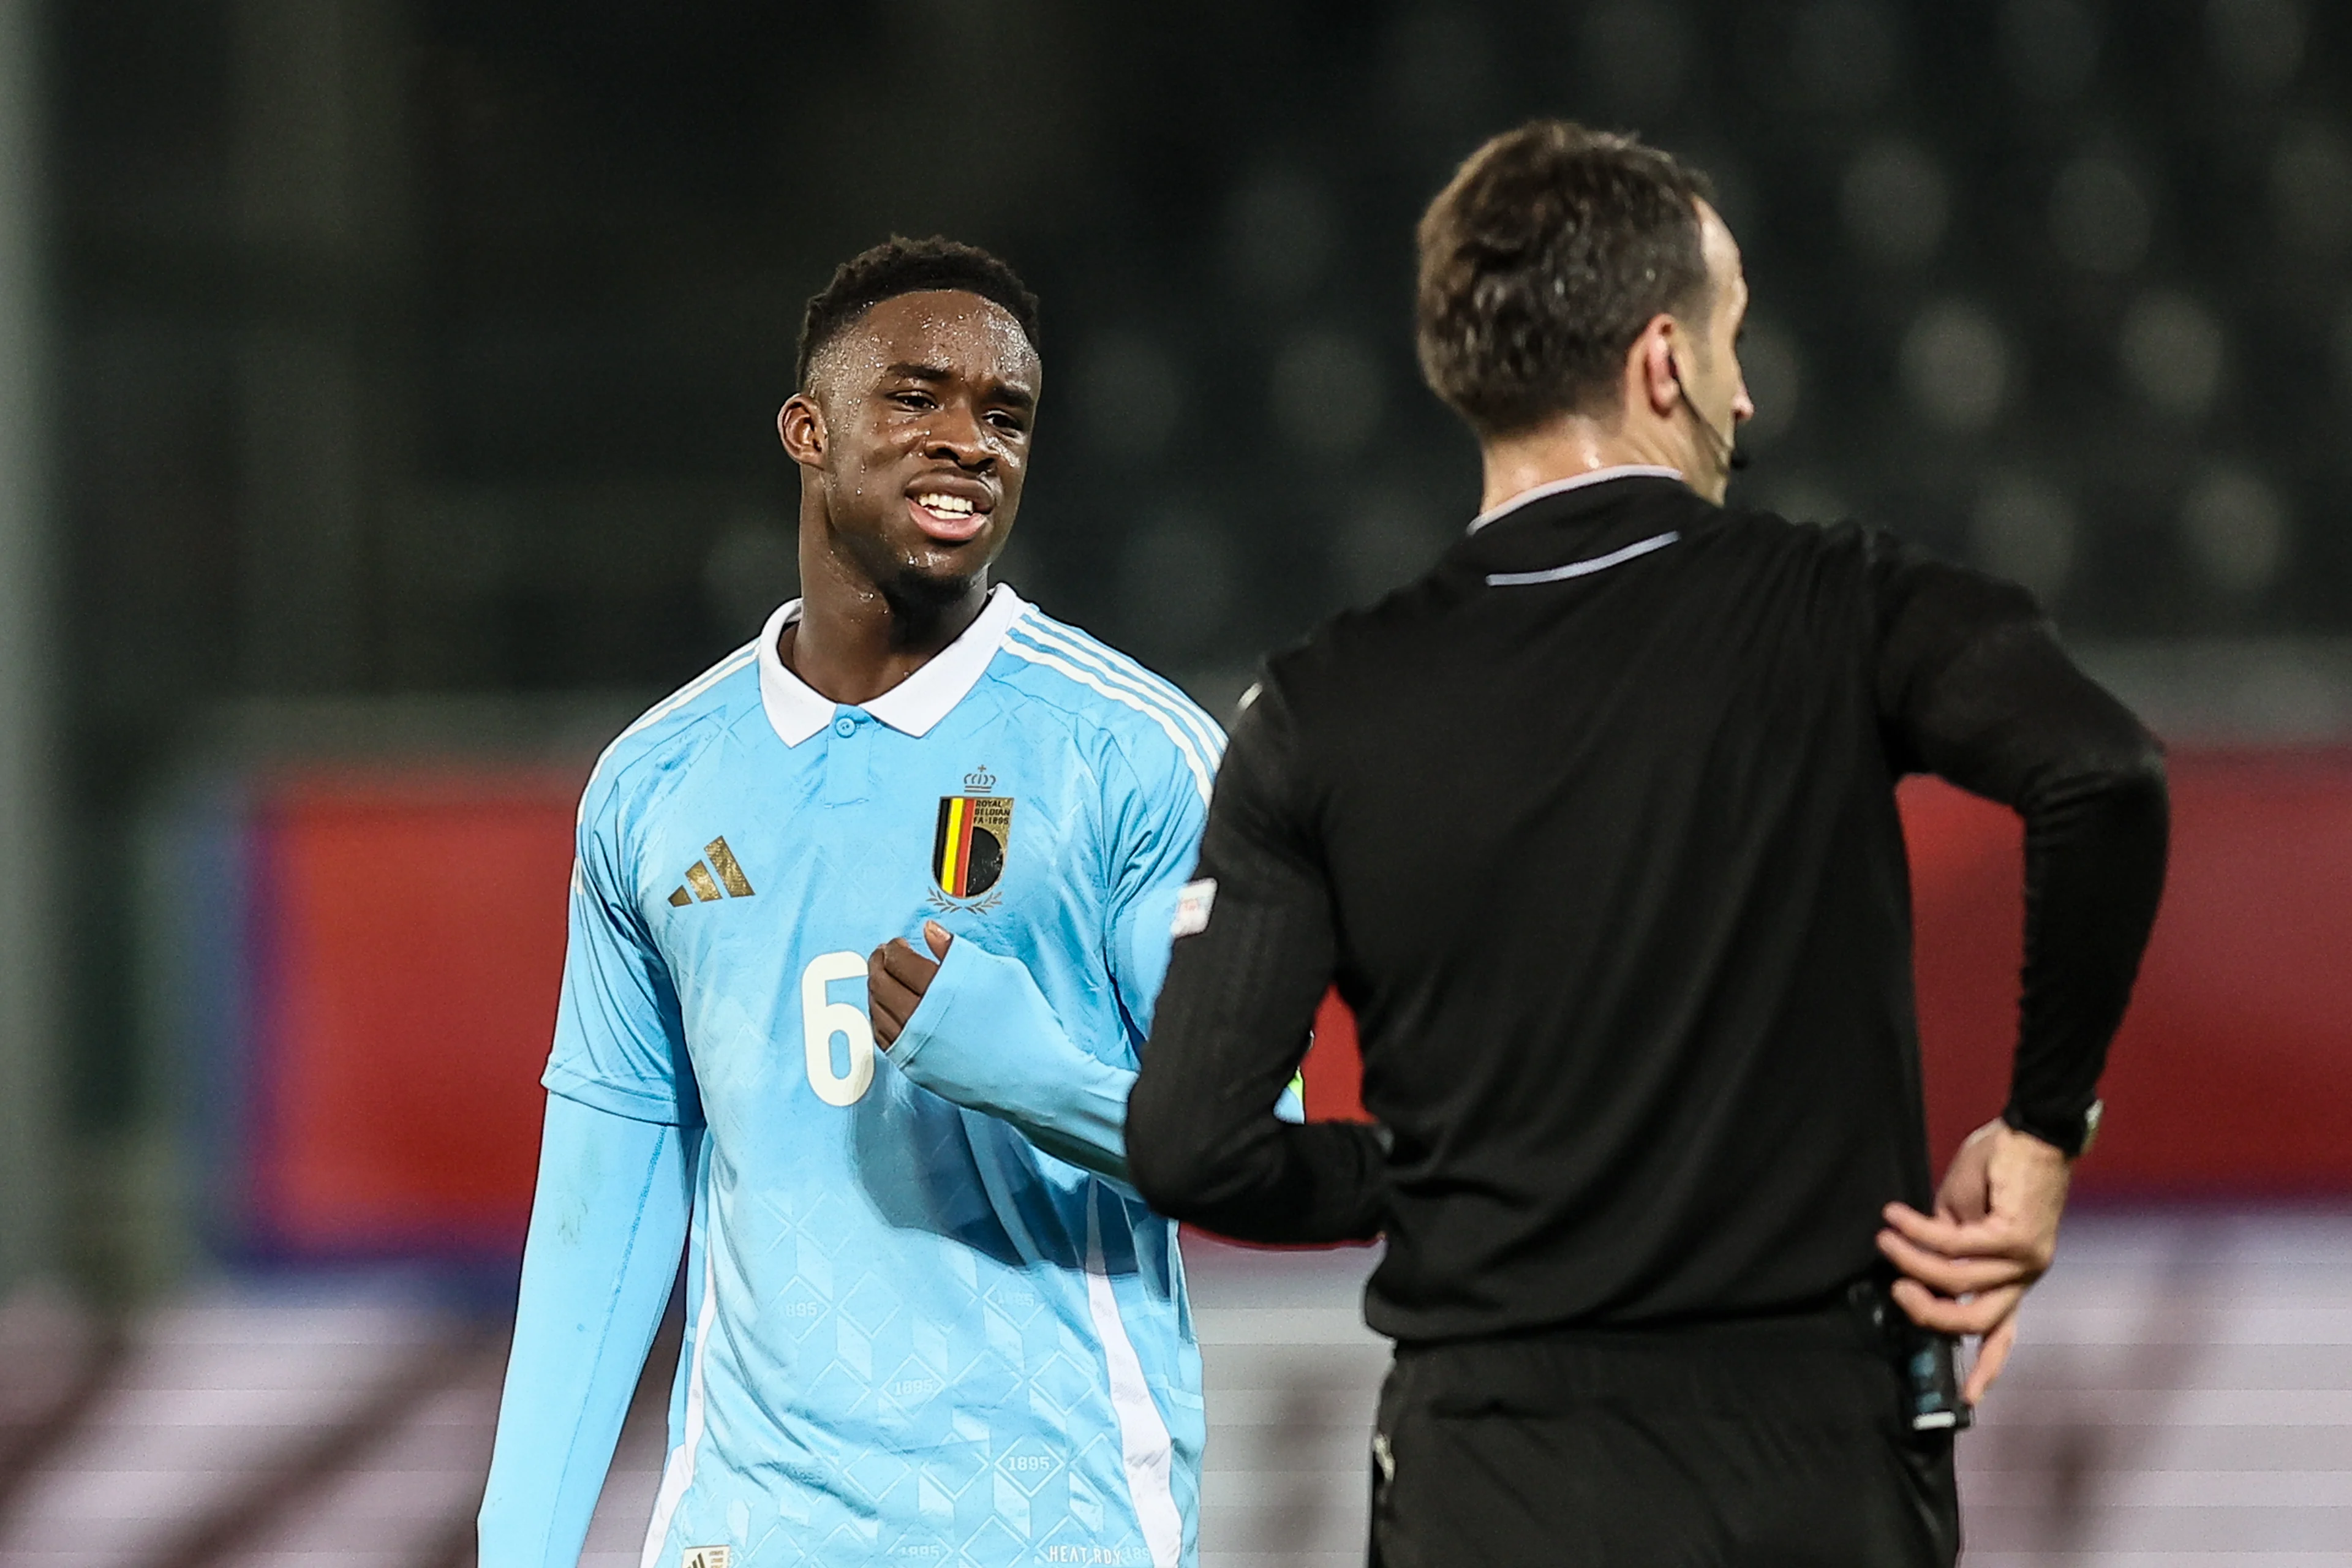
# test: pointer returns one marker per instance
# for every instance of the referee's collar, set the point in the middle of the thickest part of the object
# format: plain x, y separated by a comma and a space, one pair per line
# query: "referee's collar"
1576, 483
913, 707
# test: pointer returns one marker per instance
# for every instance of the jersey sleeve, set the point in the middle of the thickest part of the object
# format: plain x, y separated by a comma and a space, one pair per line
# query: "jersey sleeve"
614, 1199
986, 1038
620, 1043
1973, 685
1260, 948
1155, 824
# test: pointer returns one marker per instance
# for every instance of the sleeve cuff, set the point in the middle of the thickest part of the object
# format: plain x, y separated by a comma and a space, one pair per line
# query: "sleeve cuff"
2070, 1135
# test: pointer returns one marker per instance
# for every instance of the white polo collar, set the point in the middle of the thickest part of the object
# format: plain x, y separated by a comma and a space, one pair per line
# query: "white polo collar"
1598, 476
914, 705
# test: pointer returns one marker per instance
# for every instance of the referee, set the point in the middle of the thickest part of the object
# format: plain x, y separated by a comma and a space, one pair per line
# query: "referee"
1594, 827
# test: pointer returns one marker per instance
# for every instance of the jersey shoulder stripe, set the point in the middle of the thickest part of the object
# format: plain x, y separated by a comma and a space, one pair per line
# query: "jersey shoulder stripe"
677, 703
1162, 701
1042, 627
1120, 669
1200, 765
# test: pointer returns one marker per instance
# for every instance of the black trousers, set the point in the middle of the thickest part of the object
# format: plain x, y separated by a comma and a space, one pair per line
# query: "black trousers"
1747, 1445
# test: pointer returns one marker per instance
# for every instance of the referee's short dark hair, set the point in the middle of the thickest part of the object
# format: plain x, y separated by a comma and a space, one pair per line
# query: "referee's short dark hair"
1540, 263
902, 265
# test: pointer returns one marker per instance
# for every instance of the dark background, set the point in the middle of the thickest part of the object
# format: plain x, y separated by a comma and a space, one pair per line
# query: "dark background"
415, 350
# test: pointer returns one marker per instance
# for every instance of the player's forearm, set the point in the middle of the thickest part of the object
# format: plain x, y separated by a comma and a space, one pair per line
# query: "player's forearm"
986, 1038
607, 1226
1231, 1024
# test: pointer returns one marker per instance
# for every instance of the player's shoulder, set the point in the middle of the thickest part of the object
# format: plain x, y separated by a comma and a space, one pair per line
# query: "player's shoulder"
666, 738
1102, 696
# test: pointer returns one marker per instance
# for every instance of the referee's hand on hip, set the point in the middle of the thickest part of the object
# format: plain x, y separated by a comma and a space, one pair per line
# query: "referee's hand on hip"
1995, 1229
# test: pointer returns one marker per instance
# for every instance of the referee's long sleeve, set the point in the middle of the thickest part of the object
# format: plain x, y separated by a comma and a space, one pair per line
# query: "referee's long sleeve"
1234, 1021
1976, 689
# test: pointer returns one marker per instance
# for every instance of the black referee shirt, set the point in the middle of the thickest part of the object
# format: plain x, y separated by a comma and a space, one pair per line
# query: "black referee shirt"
1595, 829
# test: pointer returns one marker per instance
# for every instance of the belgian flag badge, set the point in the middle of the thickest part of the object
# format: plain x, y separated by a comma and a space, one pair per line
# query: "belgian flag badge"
975, 829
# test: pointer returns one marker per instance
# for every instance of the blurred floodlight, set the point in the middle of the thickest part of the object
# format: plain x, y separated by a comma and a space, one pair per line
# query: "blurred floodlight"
2051, 48
753, 567
1327, 393
2311, 189
1128, 395
2099, 215
2236, 527
1280, 231
2172, 350
2025, 530
1634, 56
1845, 53
1177, 579
2257, 45
1442, 61
1894, 202
1775, 371
1385, 541
1956, 365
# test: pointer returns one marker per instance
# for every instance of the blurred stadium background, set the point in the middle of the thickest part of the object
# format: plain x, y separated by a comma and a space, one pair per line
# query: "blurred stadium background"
385, 403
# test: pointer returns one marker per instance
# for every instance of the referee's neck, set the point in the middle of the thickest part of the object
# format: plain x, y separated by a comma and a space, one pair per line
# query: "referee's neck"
1568, 446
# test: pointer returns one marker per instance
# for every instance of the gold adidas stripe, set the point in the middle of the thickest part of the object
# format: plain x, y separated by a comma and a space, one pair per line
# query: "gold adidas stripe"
722, 860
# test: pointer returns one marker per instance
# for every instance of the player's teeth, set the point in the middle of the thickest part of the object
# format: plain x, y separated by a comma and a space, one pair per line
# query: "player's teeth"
946, 503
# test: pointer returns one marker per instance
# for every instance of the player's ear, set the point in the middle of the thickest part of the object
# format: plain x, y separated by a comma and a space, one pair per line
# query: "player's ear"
800, 425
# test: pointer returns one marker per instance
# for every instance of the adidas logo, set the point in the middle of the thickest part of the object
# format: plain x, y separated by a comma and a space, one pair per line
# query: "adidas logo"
703, 887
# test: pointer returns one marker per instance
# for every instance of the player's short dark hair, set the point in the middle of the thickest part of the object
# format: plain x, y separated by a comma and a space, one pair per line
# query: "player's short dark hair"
902, 265
1540, 263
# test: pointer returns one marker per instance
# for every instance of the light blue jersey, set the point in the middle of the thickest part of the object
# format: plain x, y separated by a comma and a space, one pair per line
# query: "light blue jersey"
912, 1336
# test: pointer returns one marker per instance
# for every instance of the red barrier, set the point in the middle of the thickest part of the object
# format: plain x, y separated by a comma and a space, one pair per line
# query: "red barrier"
2233, 1075
409, 936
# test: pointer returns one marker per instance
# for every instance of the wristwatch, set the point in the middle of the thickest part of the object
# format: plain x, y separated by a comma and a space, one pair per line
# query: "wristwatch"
2071, 1136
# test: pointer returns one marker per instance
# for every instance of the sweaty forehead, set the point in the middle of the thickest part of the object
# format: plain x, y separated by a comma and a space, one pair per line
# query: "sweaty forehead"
947, 327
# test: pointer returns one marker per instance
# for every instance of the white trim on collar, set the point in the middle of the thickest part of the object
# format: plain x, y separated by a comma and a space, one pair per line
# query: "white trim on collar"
1598, 476
913, 707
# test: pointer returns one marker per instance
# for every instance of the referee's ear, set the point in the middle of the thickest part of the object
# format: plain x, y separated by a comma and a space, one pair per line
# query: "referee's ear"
1653, 367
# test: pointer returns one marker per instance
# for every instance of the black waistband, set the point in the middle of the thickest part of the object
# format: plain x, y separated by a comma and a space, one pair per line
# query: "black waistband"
1862, 1317
1858, 1357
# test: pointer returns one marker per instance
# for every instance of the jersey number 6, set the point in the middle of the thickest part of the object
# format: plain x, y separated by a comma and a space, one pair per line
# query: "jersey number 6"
822, 1018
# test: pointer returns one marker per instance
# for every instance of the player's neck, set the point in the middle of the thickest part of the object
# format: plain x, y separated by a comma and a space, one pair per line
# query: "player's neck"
1570, 445
854, 641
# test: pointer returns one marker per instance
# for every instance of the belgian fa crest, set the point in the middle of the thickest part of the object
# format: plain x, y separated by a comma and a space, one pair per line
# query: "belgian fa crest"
969, 847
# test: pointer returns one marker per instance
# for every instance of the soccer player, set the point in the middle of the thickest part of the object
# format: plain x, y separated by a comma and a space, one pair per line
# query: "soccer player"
928, 1319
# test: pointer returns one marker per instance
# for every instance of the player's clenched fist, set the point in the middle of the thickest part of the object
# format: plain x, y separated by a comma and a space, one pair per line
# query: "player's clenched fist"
896, 976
